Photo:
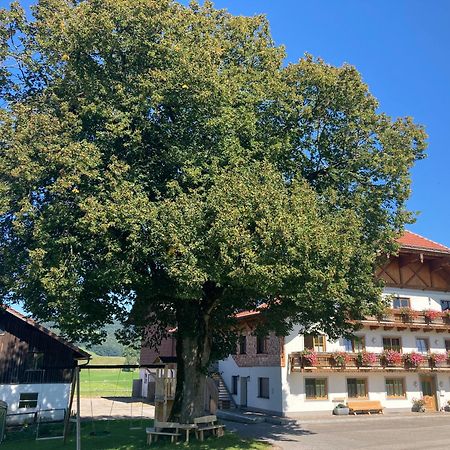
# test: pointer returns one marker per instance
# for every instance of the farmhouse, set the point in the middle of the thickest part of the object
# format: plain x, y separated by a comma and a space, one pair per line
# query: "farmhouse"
392, 359
36, 369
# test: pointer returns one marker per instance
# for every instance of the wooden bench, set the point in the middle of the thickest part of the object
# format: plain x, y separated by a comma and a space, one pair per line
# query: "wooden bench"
160, 430
208, 423
365, 406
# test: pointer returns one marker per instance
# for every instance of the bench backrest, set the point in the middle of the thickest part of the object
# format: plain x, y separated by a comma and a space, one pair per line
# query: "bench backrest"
205, 419
162, 425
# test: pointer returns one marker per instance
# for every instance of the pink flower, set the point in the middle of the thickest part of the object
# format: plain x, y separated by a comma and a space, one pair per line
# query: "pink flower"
367, 358
341, 358
438, 357
309, 357
392, 357
414, 359
431, 314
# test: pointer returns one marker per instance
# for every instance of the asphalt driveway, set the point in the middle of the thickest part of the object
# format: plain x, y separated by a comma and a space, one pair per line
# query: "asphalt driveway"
362, 432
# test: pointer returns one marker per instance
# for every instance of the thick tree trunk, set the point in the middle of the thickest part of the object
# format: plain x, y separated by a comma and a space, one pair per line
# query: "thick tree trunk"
193, 354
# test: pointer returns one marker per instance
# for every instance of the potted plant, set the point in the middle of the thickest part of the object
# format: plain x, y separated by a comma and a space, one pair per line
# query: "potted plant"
438, 359
341, 358
446, 316
341, 410
418, 405
366, 358
408, 314
391, 357
309, 357
413, 359
384, 314
431, 315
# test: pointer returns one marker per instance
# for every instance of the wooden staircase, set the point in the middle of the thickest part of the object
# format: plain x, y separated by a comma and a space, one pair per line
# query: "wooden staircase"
226, 400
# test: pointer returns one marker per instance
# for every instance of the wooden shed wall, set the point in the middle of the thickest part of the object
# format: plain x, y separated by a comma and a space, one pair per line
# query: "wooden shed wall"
17, 340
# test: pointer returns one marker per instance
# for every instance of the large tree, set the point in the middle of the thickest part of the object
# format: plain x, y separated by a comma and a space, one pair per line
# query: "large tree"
160, 165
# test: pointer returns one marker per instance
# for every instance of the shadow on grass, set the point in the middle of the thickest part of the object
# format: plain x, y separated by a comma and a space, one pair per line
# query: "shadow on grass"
121, 437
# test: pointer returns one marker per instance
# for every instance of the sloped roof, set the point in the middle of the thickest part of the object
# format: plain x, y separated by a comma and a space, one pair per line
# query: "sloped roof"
413, 241
79, 353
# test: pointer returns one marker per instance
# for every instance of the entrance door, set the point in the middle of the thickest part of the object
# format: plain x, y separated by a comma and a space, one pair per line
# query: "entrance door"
244, 392
429, 392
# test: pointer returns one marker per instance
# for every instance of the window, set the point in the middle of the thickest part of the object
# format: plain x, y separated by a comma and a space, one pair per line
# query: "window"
400, 302
395, 387
445, 304
261, 344
447, 345
243, 345
316, 388
28, 400
263, 387
234, 384
35, 361
422, 345
315, 342
356, 344
390, 343
356, 387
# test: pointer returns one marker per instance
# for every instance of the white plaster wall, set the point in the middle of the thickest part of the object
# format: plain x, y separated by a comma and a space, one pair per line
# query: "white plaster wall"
229, 368
50, 396
295, 401
419, 299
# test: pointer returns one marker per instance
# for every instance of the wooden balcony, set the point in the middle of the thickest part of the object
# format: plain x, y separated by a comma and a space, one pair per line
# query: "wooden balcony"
395, 320
326, 362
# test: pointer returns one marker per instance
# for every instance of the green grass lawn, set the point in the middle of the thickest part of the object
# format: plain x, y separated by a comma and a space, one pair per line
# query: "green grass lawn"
122, 438
106, 382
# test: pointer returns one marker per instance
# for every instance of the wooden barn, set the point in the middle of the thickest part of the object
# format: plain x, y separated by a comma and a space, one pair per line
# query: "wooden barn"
36, 369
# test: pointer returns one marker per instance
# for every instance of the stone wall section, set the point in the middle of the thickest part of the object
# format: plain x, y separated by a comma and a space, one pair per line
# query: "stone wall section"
273, 357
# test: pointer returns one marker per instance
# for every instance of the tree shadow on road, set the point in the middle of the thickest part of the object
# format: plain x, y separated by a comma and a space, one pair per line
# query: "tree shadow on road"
268, 431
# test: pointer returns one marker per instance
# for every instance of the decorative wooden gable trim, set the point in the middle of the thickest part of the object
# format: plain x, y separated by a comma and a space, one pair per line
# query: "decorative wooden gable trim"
417, 271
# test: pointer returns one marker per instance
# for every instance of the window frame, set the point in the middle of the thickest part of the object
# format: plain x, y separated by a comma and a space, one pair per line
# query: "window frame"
353, 341
400, 299
427, 342
261, 345
366, 387
442, 306
403, 383
27, 403
397, 349
243, 344
447, 347
260, 393
234, 384
315, 379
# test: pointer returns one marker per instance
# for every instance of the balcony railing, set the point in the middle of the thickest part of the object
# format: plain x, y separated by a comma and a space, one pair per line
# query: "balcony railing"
299, 362
407, 318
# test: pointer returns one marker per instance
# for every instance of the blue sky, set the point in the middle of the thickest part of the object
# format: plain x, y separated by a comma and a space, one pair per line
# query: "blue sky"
401, 48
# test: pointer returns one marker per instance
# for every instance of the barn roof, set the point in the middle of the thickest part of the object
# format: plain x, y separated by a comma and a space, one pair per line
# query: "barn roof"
78, 352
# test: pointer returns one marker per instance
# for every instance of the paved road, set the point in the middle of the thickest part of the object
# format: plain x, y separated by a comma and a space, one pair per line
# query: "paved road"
369, 432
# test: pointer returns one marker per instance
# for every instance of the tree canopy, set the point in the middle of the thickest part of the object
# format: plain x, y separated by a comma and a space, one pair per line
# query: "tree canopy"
159, 164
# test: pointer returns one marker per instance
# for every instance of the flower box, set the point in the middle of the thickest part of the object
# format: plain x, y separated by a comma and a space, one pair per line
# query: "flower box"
391, 358
438, 359
309, 358
413, 360
431, 315
340, 359
366, 358
408, 314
